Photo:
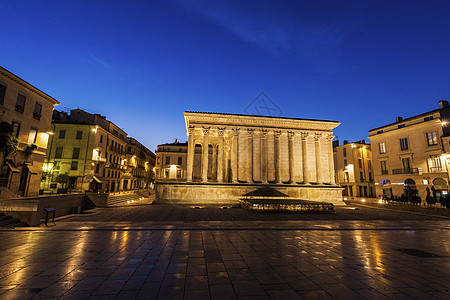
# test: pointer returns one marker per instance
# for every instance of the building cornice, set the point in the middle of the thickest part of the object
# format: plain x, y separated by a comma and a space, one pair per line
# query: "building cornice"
28, 86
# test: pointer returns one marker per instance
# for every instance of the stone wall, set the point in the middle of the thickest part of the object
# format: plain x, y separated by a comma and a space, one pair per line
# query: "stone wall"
225, 193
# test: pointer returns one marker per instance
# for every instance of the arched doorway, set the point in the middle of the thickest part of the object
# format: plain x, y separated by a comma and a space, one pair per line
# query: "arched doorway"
439, 188
410, 188
387, 189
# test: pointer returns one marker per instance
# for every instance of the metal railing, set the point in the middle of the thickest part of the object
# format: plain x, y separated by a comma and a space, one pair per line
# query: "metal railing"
405, 171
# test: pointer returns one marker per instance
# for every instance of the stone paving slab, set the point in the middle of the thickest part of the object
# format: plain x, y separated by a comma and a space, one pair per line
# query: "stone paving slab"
379, 254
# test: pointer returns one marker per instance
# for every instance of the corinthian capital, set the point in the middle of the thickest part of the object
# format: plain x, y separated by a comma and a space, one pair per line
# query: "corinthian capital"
276, 134
317, 136
206, 130
236, 132
304, 135
250, 132
220, 131
191, 129
291, 135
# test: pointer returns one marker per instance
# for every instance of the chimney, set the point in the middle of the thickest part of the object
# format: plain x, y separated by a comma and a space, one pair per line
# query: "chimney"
443, 104
398, 119
345, 142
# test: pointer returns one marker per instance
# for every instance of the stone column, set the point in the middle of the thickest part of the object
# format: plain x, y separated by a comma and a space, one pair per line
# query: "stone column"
250, 155
214, 162
234, 155
190, 155
304, 137
331, 158
277, 154
319, 177
205, 154
291, 135
220, 132
264, 162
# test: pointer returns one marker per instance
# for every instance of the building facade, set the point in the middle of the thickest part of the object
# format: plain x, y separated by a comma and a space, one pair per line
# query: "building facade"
91, 151
140, 162
29, 111
241, 153
412, 154
354, 171
171, 161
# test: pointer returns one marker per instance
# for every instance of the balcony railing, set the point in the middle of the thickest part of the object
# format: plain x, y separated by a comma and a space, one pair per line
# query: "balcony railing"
405, 171
436, 169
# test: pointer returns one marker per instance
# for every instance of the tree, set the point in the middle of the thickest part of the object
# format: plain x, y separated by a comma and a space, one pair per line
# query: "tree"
8, 142
63, 180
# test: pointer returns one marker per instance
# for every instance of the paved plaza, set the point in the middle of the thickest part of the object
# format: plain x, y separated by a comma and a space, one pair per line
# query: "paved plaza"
174, 252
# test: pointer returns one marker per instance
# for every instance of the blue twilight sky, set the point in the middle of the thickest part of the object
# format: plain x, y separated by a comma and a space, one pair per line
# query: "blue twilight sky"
142, 63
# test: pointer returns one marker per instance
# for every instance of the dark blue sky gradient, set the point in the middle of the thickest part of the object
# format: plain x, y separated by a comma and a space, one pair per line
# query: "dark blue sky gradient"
142, 63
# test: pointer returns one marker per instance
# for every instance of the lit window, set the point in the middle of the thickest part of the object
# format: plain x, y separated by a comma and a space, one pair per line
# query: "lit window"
32, 136
432, 138
382, 147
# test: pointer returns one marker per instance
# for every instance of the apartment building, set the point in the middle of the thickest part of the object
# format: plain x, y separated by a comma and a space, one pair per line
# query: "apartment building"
171, 161
29, 111
140, 163
89, 150
412, 154
353, 169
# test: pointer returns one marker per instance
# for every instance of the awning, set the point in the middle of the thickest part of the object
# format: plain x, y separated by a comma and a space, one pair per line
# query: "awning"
32, 170
96, 179
12, 167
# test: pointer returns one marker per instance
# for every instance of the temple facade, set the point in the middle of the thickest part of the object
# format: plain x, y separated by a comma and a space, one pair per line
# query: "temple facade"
237, 154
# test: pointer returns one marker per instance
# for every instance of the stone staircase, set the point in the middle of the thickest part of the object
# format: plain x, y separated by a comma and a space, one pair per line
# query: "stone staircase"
127, 199
10, 222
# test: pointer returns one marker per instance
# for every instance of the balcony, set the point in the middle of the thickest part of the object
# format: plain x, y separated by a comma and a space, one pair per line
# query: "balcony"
436, 170
406, 171
99, 159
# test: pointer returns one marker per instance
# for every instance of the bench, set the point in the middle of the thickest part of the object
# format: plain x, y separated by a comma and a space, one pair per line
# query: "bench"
47, 211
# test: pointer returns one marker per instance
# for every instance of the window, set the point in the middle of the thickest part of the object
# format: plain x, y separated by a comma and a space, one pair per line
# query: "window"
360, 163
158, 161
350, 189
180, 160
431, 138
166, 173
62, 134
97, 168
167, 160
401, 126
426, 119
101, 138
74, 165
404, 144
76, 153
2, 93
379, 131
384, 169
361, 176
32, 136
178, 173
345, 162
37, 111
369, 164
382, 147
20, 103
370, 176
435, 163
58, 152
79, 135
346, 178
344, 152
406, 164
16, 129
